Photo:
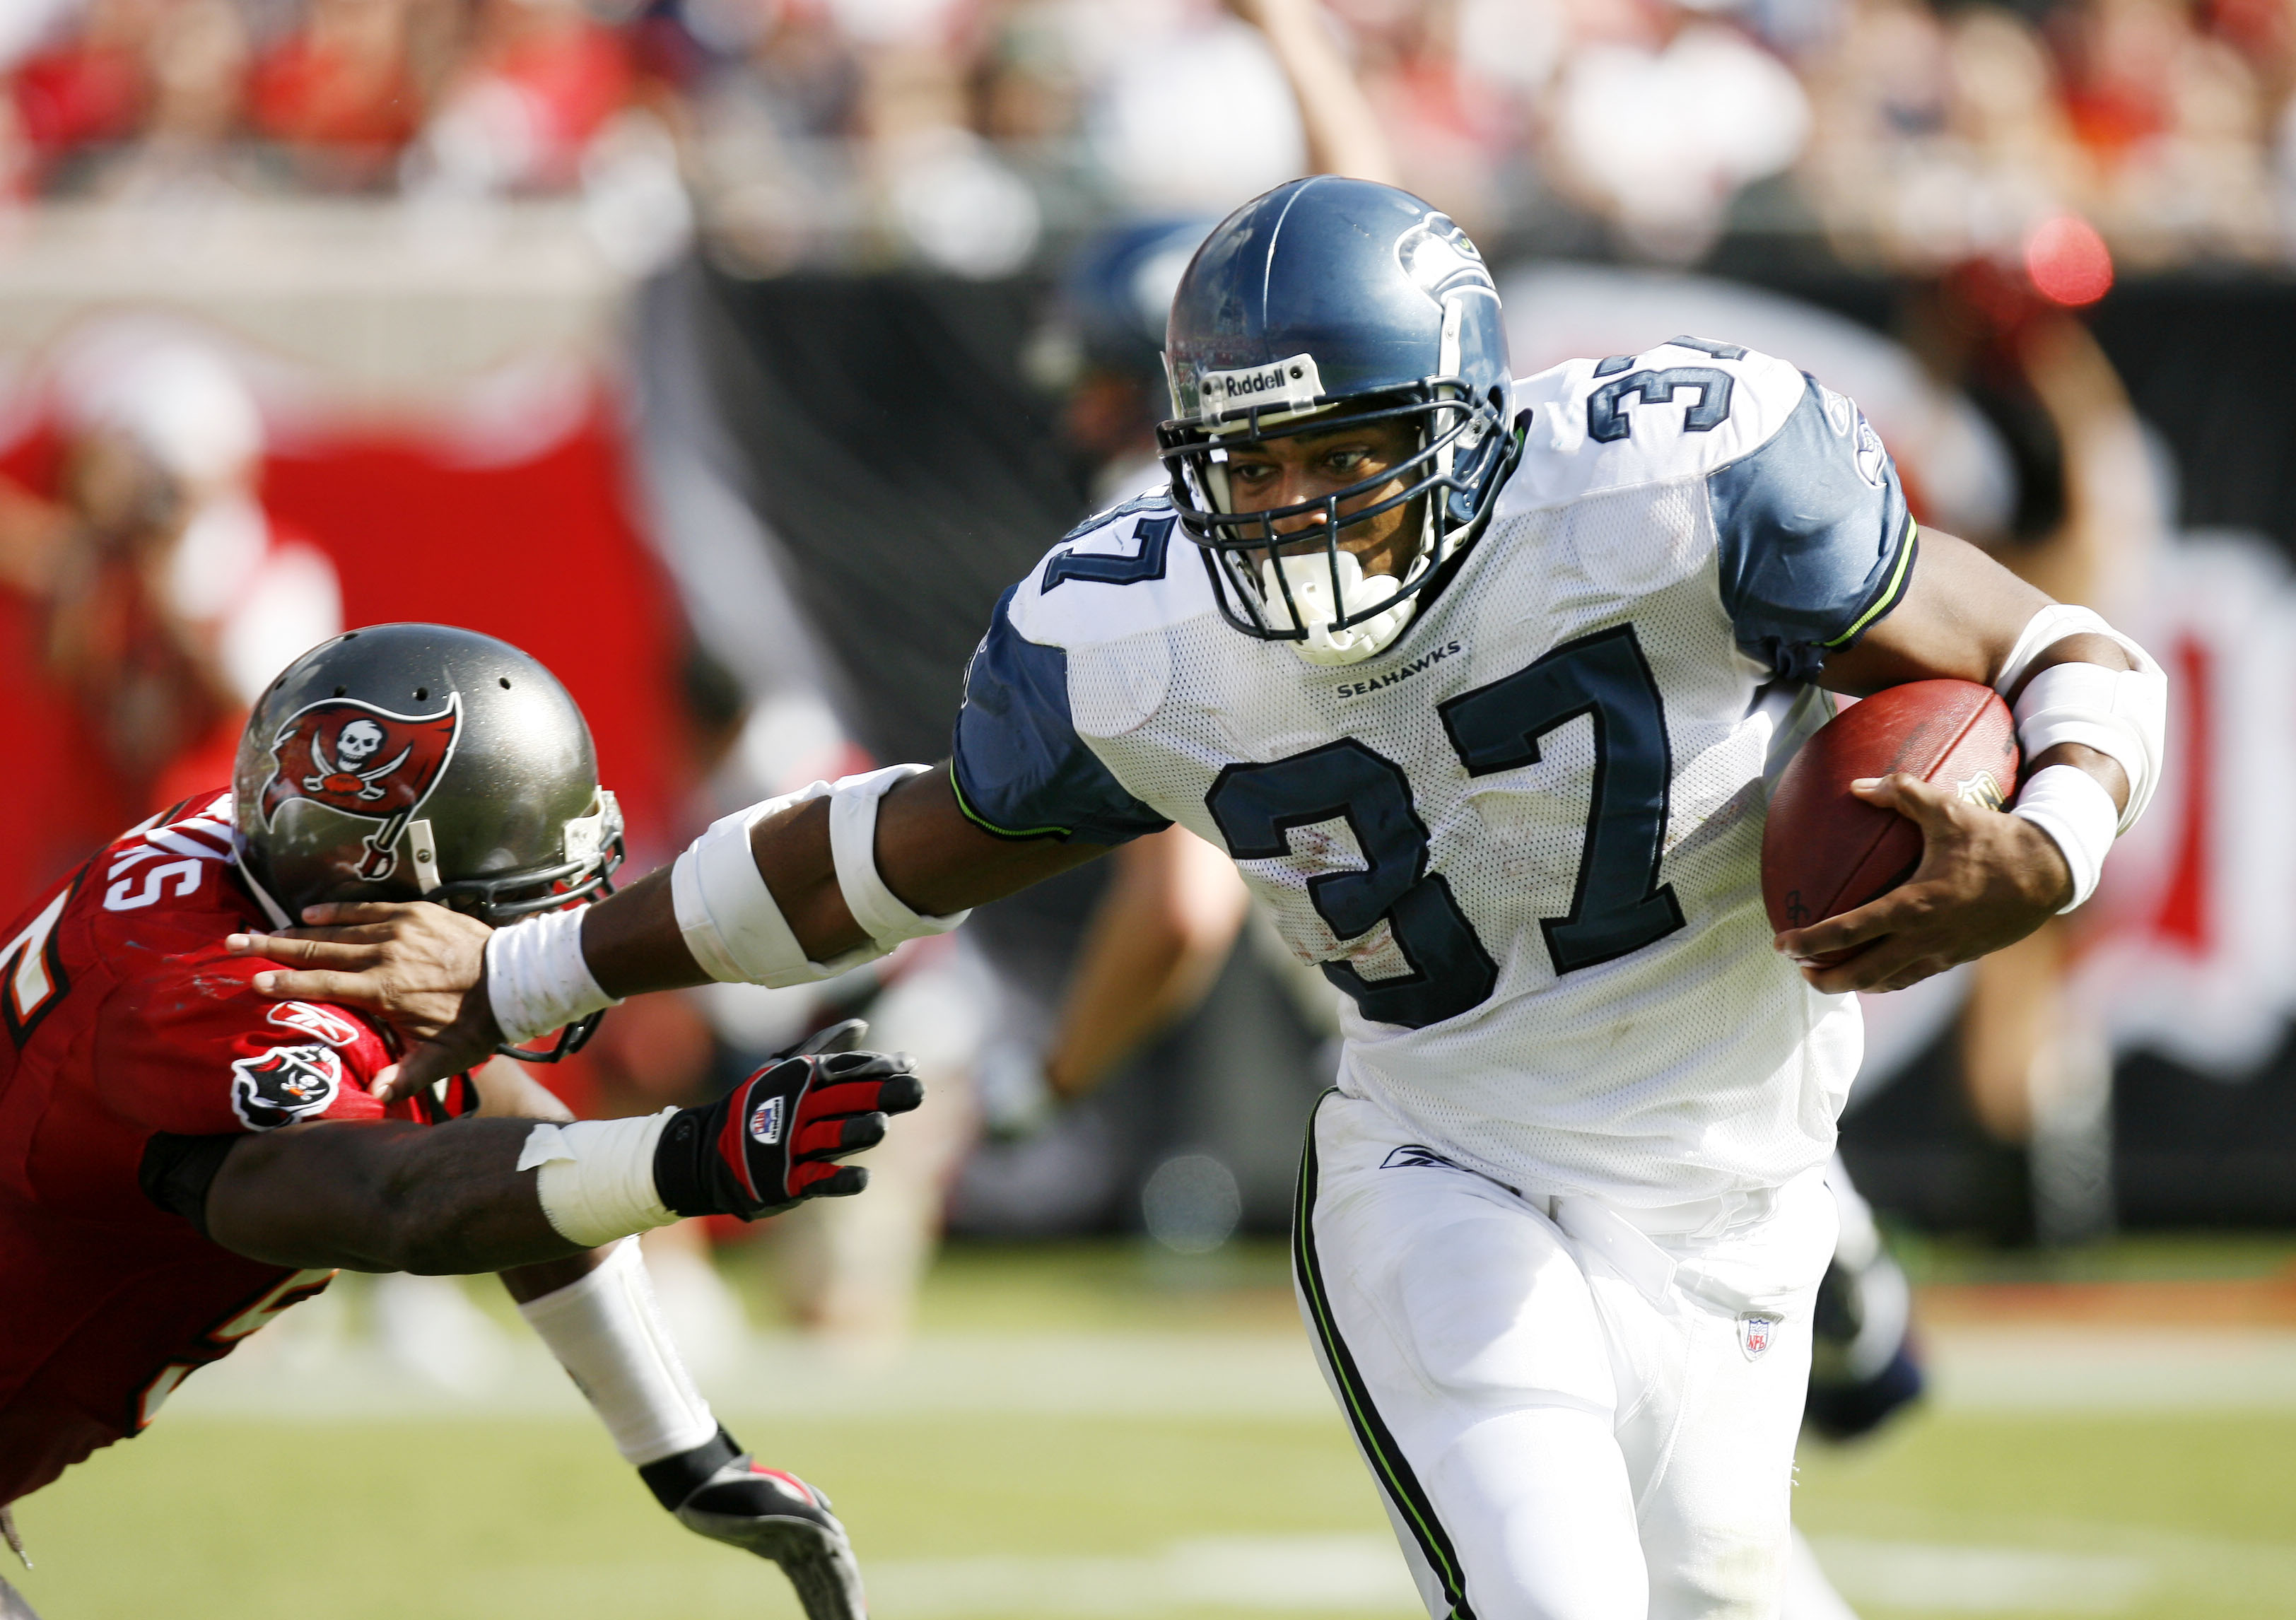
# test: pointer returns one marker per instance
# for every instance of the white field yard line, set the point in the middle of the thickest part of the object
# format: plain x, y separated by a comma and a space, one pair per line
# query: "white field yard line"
1362, 1575
2062, 1568
1346, 1577
2102, 1369
1322, 1575
1948, 1579
1227, 1374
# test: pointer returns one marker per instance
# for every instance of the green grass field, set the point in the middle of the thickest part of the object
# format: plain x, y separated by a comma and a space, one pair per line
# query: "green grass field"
1162, 1489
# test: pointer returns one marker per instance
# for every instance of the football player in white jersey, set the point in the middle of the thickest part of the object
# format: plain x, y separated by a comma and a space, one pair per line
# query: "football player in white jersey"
1479, 681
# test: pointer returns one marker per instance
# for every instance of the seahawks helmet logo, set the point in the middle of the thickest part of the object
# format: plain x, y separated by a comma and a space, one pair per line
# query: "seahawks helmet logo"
363, 761
1440, 260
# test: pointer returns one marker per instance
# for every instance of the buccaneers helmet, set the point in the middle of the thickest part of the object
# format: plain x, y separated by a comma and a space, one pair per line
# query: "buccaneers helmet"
1330, 301
423, 761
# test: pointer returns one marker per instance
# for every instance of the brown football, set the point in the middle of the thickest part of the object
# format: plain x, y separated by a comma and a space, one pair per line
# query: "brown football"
1824, 851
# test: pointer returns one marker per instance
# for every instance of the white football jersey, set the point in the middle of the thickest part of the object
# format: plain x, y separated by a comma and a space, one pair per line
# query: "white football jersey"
1524, 840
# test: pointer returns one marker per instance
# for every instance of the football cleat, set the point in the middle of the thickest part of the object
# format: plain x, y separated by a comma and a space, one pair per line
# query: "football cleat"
779, 1517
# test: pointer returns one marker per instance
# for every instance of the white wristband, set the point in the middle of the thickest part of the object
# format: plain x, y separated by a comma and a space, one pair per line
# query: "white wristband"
2126, 719
537, 979
728, 916
853, 843
597, 1181
2077, 812
2121, 713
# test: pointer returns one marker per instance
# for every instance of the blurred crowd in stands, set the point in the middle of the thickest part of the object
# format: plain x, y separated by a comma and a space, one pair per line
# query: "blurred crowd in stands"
979, 136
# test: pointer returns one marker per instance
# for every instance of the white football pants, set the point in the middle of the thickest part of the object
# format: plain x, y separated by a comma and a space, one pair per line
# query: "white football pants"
1569, 1418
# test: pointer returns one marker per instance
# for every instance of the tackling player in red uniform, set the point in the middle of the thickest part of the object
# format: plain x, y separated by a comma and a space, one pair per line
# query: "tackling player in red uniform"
182, 1158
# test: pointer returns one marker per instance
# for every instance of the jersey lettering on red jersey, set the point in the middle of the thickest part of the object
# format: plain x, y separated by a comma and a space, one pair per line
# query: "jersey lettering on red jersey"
35, 977
125, 1017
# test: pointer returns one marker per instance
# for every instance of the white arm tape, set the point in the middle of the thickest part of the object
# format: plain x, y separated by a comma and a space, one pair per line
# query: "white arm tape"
2121, 714
537, 979
2074, 809
728, 916
597, 1181
853, 840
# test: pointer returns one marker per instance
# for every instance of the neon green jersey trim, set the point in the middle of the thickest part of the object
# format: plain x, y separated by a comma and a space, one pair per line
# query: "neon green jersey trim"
1889, 597
986, 825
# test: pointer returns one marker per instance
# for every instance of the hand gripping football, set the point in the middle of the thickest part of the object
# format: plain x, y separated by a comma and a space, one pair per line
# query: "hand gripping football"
1825, 851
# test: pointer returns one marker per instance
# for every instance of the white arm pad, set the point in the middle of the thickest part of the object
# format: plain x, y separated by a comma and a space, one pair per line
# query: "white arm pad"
537, 979
853, 841
2121, 714
728, 916
2074, 809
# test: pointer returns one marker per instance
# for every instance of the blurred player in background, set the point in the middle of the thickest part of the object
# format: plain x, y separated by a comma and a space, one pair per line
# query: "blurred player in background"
167, 596
181, 1159
2088, 524
1563, 1223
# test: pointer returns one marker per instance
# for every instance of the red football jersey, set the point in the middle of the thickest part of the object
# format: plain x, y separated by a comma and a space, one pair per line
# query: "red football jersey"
125, 1018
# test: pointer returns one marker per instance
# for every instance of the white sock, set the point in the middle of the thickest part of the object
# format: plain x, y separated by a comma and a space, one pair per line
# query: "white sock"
606, 1331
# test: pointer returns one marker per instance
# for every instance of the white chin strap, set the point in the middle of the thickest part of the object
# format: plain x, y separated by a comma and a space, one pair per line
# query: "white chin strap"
1309, 578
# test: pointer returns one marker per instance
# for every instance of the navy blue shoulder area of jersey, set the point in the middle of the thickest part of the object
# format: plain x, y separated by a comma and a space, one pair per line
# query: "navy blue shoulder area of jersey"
1021, 770
1816, 542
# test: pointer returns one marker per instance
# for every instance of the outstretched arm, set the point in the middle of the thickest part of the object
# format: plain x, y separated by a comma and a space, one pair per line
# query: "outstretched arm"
491, 1195
931, 854
419, 965
281, 1193
385, 1196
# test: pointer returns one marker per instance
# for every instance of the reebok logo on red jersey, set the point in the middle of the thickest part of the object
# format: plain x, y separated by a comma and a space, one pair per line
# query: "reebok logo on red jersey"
321, 1023
363, 761
283, 1085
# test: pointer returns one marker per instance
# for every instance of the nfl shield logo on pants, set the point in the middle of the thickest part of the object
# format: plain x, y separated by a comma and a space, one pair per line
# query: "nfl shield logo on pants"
1755, 1332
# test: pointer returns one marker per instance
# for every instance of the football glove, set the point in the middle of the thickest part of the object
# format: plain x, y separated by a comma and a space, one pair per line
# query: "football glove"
774, 1141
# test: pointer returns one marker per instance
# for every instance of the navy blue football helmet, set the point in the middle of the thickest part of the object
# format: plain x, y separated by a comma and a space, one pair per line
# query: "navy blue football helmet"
1117, 290
1325, 302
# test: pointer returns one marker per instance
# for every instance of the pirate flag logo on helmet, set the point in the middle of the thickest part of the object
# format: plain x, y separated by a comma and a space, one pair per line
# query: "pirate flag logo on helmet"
363, 761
